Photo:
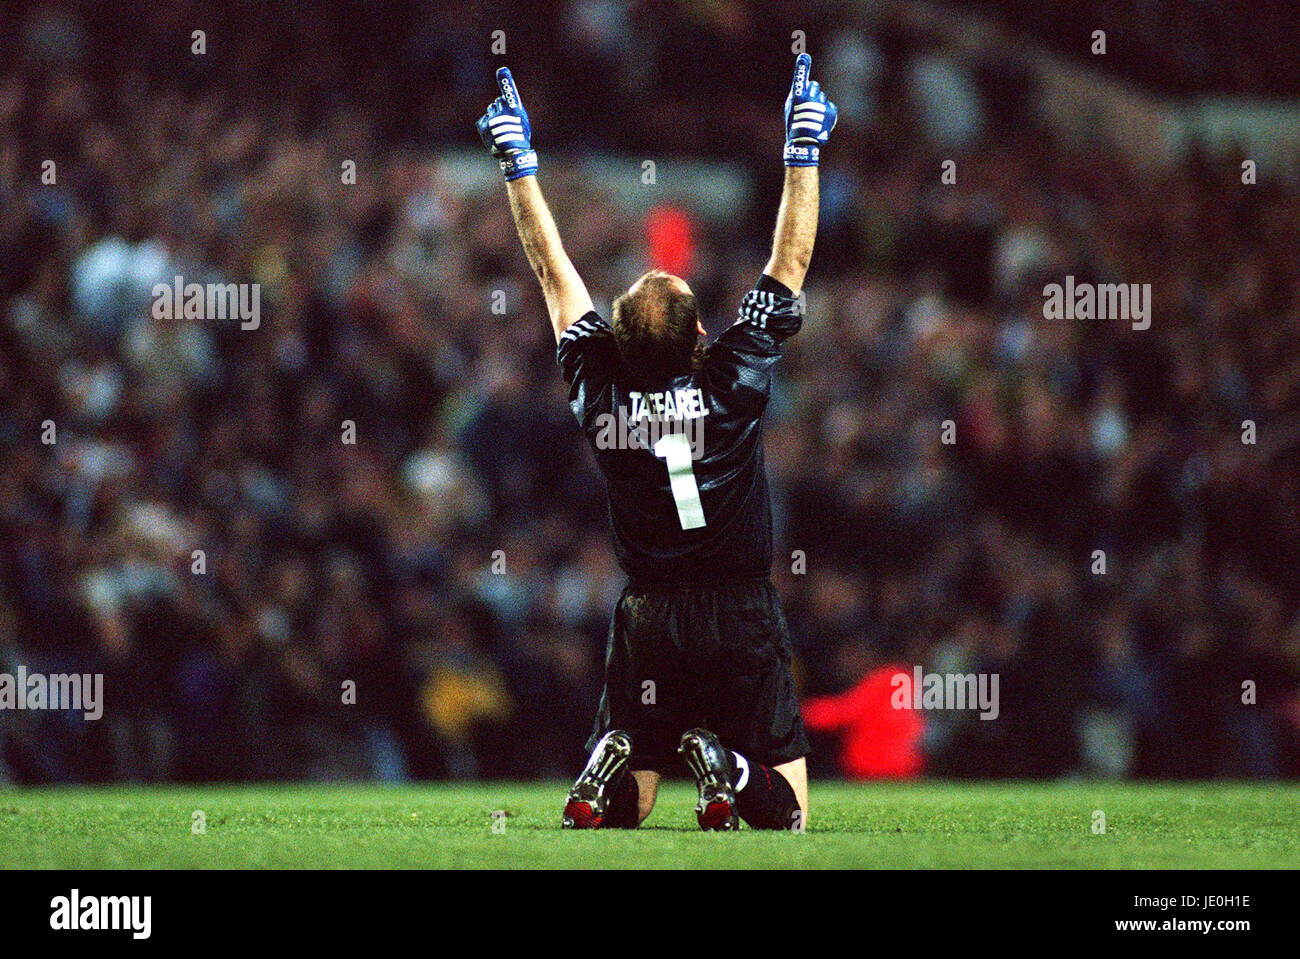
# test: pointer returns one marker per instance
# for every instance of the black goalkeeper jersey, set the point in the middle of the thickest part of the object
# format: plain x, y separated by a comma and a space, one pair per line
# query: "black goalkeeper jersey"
683, 463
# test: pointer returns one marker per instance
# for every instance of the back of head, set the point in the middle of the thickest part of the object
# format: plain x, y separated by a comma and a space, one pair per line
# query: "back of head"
656, 327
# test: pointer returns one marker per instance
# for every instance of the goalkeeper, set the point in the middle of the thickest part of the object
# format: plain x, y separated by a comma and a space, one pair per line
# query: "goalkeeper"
698, 661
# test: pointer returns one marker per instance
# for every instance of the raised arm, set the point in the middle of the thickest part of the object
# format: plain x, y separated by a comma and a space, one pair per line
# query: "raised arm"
796, 228
507, 133
566, 295
809, 119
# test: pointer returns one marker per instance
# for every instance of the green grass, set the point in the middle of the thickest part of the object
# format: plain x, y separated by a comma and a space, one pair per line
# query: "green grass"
940, 825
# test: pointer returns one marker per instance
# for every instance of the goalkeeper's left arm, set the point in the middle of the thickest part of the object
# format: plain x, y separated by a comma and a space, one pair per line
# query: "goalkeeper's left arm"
506, 132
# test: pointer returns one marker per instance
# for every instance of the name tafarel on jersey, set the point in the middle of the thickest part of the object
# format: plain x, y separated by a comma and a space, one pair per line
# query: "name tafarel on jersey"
682, 404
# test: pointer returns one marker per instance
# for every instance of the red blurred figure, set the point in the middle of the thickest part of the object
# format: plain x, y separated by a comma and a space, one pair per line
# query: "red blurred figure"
671, 238
879, 741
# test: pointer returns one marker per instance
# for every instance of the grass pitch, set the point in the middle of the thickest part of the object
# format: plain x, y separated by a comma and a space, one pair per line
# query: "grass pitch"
928, 825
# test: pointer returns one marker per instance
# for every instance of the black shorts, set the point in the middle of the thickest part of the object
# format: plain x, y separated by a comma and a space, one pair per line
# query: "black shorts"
711, 656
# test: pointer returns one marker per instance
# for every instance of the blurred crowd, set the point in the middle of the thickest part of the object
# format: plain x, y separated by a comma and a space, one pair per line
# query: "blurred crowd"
365, 539
1173, 47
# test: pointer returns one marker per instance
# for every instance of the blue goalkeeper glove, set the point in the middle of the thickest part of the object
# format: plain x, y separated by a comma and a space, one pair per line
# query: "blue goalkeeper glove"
506, 132
809, 117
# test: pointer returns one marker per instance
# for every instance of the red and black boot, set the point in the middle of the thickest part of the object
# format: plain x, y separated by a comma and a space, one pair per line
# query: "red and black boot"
589, 800
711, 765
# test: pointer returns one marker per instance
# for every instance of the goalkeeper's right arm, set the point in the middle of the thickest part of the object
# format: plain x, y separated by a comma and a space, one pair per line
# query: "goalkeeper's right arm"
809, 119
796, 228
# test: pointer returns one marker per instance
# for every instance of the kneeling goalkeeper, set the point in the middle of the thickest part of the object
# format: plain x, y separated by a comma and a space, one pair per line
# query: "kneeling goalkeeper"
698, 663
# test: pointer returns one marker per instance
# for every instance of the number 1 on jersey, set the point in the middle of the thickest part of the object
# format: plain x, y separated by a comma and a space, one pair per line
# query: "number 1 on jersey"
675, 450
